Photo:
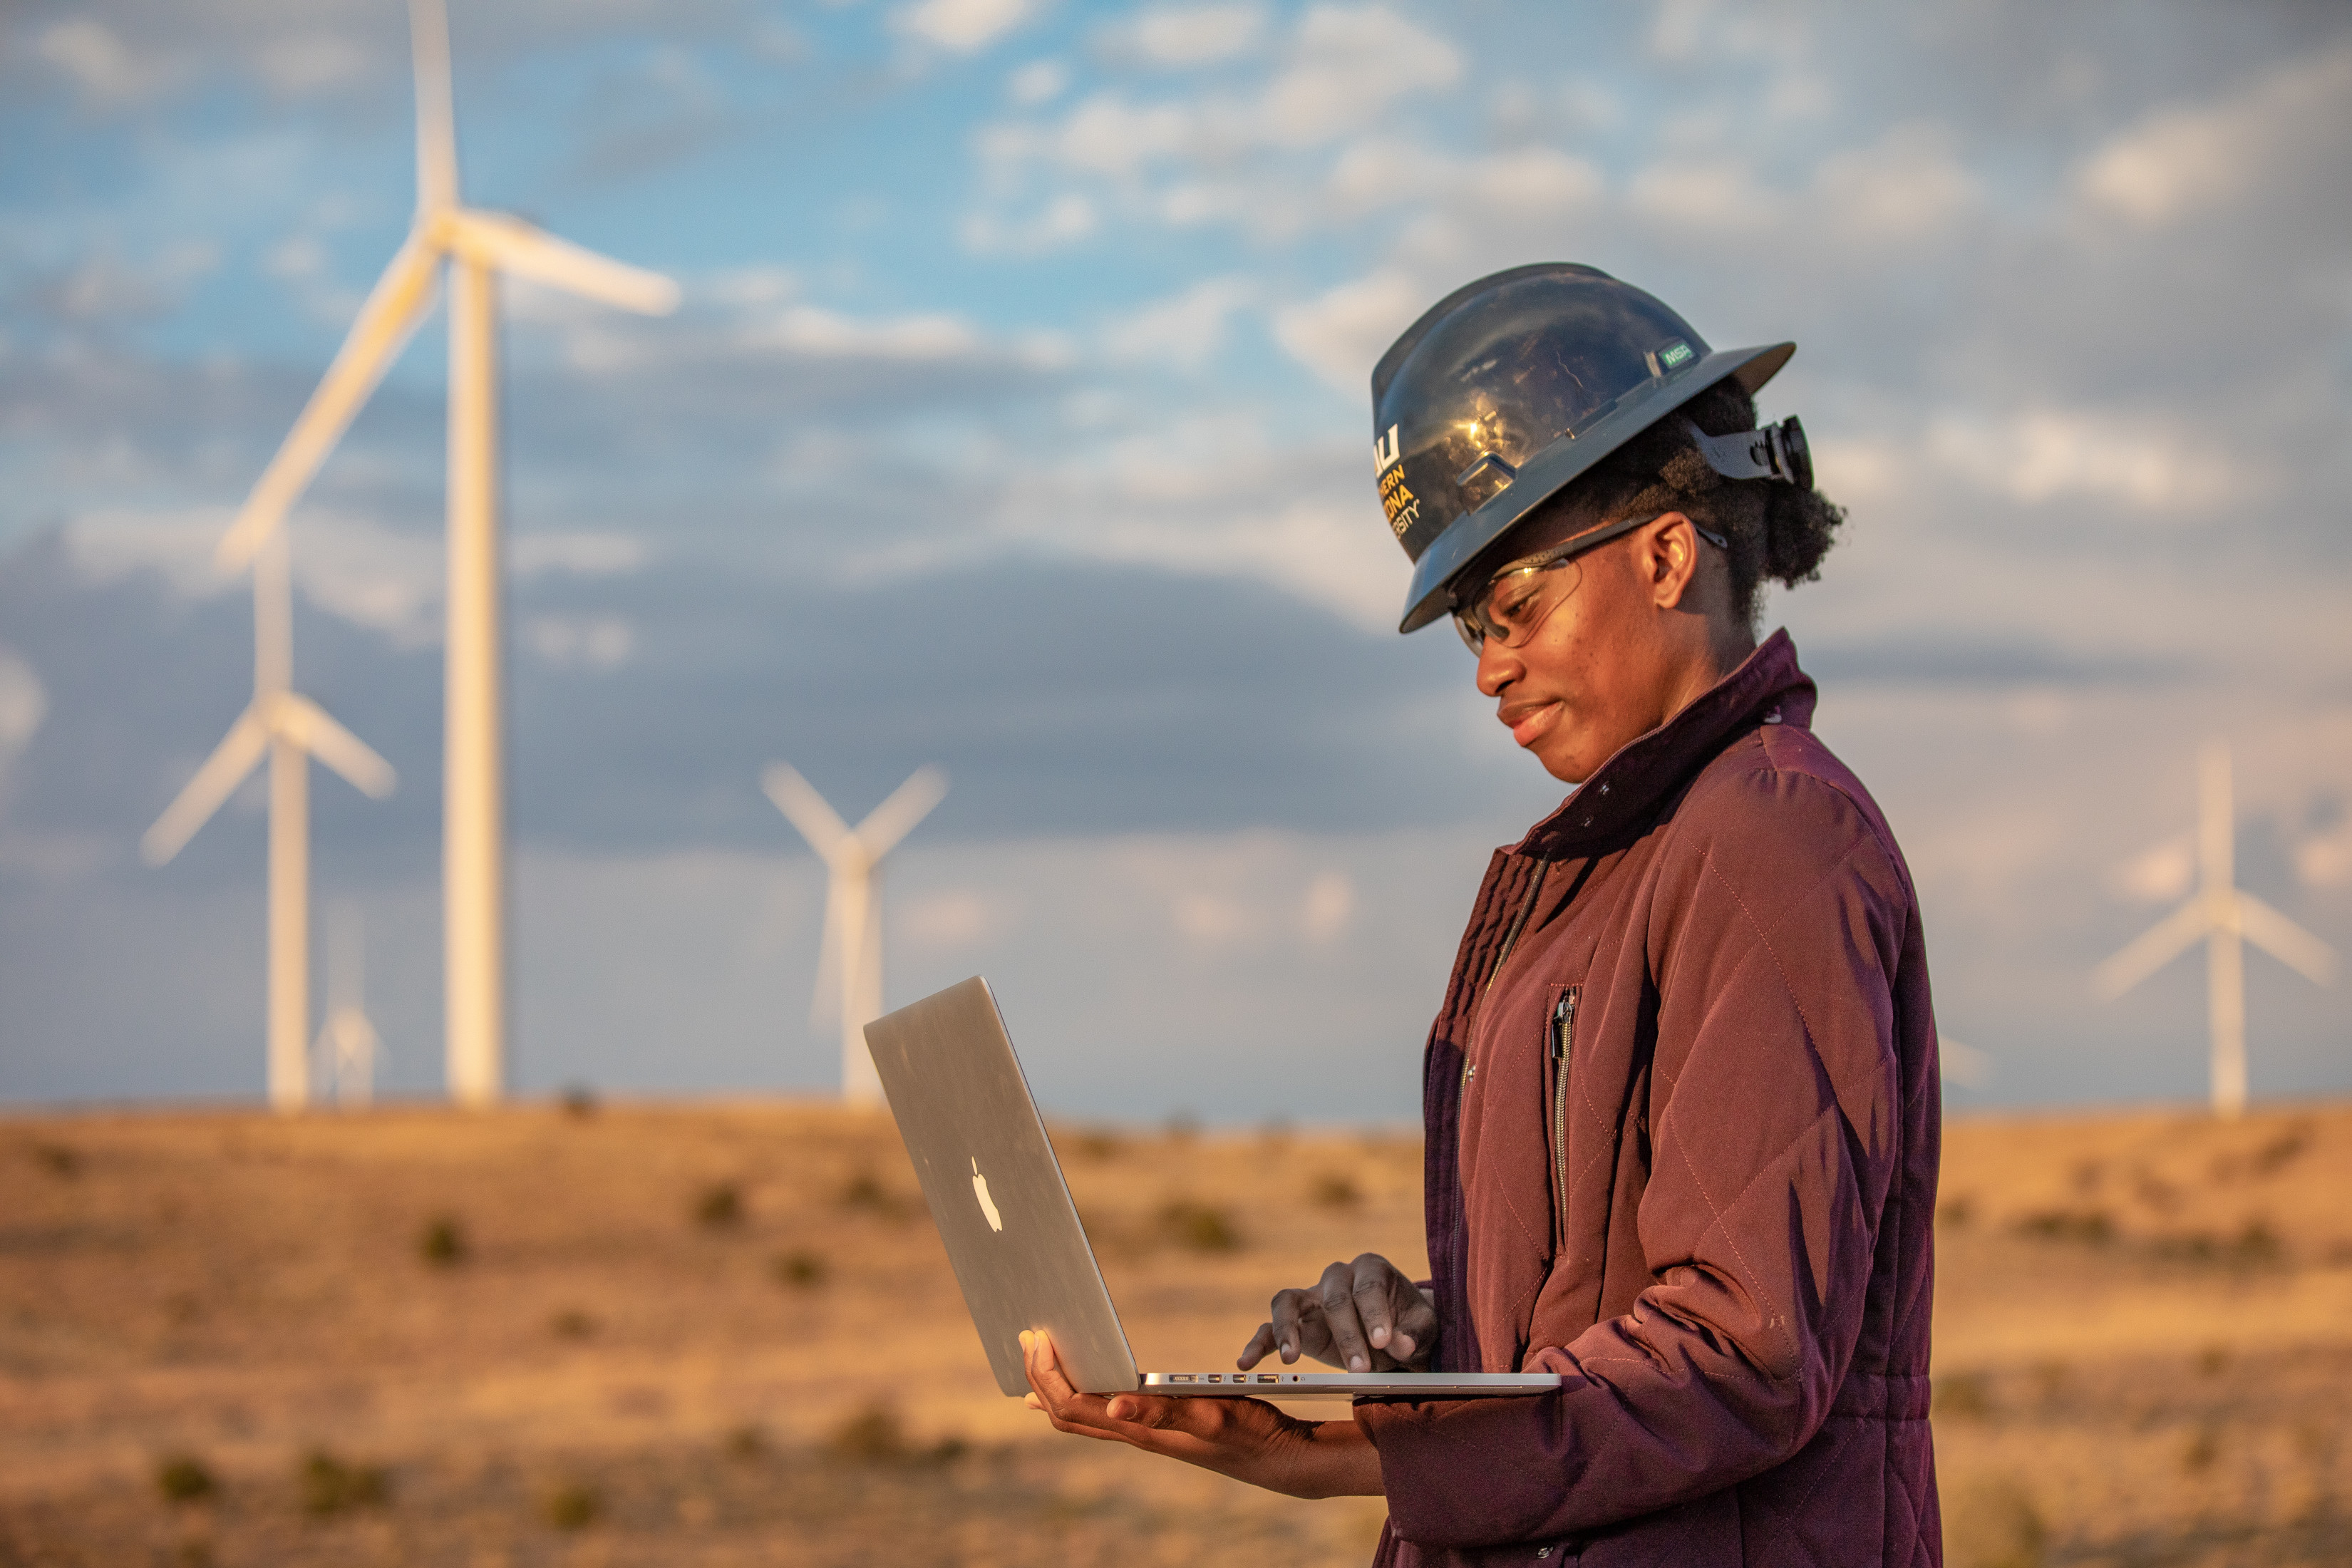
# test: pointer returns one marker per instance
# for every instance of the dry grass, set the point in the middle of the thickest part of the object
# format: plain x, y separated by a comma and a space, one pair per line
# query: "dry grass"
727, 1335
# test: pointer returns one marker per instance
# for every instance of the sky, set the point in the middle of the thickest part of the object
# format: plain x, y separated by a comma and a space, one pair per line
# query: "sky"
1014, 421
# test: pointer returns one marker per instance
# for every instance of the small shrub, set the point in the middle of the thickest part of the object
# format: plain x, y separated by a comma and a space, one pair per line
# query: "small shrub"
1994, 1524
2213, 1360
442, 1244
2087, 1228
1198, 1227
1963, 1395
184, 1477
745, 1442
1955, 1212
2257, 1247
2204, 1447
58, 1160
2280, 1151
572, 1505
329, 1485
2089, 1175
1335, 1190
1098, 1144
873, 1436
720, 1207
2156, 1193
571, 1323
579, 1101
865, 1194
2050, 1379
799, 1269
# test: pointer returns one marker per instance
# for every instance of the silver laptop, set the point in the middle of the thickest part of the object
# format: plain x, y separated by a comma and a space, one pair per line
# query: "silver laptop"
1004, 1213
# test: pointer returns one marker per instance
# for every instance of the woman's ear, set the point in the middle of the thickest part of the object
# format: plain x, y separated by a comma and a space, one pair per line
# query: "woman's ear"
1667, 554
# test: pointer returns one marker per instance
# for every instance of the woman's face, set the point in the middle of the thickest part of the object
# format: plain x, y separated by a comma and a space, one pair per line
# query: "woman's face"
1621, 652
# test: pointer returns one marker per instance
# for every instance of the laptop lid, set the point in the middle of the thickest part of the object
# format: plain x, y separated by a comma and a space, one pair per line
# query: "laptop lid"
994, 1188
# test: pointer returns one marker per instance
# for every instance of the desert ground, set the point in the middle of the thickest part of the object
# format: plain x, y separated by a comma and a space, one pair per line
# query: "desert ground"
721, 1334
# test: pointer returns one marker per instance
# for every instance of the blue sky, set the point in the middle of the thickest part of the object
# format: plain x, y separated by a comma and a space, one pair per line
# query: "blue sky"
1014, 421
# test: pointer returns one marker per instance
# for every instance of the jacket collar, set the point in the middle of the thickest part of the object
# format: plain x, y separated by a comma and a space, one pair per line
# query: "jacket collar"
1622, 793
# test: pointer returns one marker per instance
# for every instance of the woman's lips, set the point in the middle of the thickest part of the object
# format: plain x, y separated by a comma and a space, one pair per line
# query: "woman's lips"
1530, 725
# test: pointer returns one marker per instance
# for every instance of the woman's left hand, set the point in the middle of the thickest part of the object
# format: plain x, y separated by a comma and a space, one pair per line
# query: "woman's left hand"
1245, 1438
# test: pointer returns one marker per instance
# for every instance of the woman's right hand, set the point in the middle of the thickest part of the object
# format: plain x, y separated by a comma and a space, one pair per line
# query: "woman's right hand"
1364, 1316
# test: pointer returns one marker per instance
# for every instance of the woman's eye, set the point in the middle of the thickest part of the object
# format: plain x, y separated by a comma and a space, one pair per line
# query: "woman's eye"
1513, 598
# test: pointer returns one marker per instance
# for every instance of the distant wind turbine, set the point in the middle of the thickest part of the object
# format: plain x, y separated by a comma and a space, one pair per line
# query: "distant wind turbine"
477, 246
2225, 917
348, 1046
849, 967
293, 729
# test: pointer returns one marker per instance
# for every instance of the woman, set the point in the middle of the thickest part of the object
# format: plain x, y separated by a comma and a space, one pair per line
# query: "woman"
1680, 1101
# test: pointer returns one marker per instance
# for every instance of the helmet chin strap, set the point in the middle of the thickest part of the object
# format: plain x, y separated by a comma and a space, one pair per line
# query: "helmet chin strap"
1775, 452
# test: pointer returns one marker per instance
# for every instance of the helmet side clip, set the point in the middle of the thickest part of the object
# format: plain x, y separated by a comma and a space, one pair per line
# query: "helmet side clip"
1775, 452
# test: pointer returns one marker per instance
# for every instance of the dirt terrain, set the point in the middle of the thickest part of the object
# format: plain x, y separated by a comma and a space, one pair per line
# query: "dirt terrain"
726, 1335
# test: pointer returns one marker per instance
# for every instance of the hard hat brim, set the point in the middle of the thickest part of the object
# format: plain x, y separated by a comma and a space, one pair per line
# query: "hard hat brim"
1565, 461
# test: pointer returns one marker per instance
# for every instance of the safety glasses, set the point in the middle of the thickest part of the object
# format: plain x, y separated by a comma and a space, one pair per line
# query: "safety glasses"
1516, 601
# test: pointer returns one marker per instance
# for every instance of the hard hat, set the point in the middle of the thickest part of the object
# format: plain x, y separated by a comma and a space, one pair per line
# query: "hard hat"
1512, 387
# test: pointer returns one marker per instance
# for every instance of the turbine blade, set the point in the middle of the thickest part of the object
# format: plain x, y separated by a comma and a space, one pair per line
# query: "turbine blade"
436, 127
804, 809
909, 804
2154, 948
401, 297
510, 244
310, 727
2286, 940
237, 754
824, 1001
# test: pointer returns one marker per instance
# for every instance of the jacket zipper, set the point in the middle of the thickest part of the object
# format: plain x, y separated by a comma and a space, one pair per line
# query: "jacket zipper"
1563, 1048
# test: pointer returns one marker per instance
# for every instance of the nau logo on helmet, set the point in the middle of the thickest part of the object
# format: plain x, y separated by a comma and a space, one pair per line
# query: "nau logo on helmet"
1401, 505
1384, 450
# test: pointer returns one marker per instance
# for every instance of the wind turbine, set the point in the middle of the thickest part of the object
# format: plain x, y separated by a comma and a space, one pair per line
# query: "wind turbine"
476, 246
291, 728
849, 966
348, 1046
2226, 917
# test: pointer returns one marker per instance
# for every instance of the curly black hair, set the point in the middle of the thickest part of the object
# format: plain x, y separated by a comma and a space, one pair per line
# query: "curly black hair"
1778, 533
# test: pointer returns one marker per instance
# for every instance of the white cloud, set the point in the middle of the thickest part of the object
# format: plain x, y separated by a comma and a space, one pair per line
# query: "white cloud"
1352, 63
1911, 186
579, 554
1039, 81
1186, 329
2159, 875
1340, 334
2179, 162
2150, 463
106, 73
311, 62
2325, 861
1066, 219
580, 642
949, 920
963, 26
808, 329
1330, 907
1180, 37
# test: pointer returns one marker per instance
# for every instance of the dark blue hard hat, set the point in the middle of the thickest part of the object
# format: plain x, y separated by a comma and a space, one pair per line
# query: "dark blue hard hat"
1511, 388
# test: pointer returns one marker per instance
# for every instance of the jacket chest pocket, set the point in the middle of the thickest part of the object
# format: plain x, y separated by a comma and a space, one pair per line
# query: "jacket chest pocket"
1559, 1056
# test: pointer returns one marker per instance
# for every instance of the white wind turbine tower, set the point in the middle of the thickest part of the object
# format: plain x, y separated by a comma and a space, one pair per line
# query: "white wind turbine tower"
348, 1045
2226, 917
291, 728
849, 967
477, 246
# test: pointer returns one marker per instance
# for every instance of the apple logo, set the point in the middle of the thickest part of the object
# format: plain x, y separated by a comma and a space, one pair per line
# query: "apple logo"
987, 1205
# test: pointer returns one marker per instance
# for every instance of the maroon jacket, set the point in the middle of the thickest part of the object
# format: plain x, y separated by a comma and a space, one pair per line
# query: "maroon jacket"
1683, 1121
